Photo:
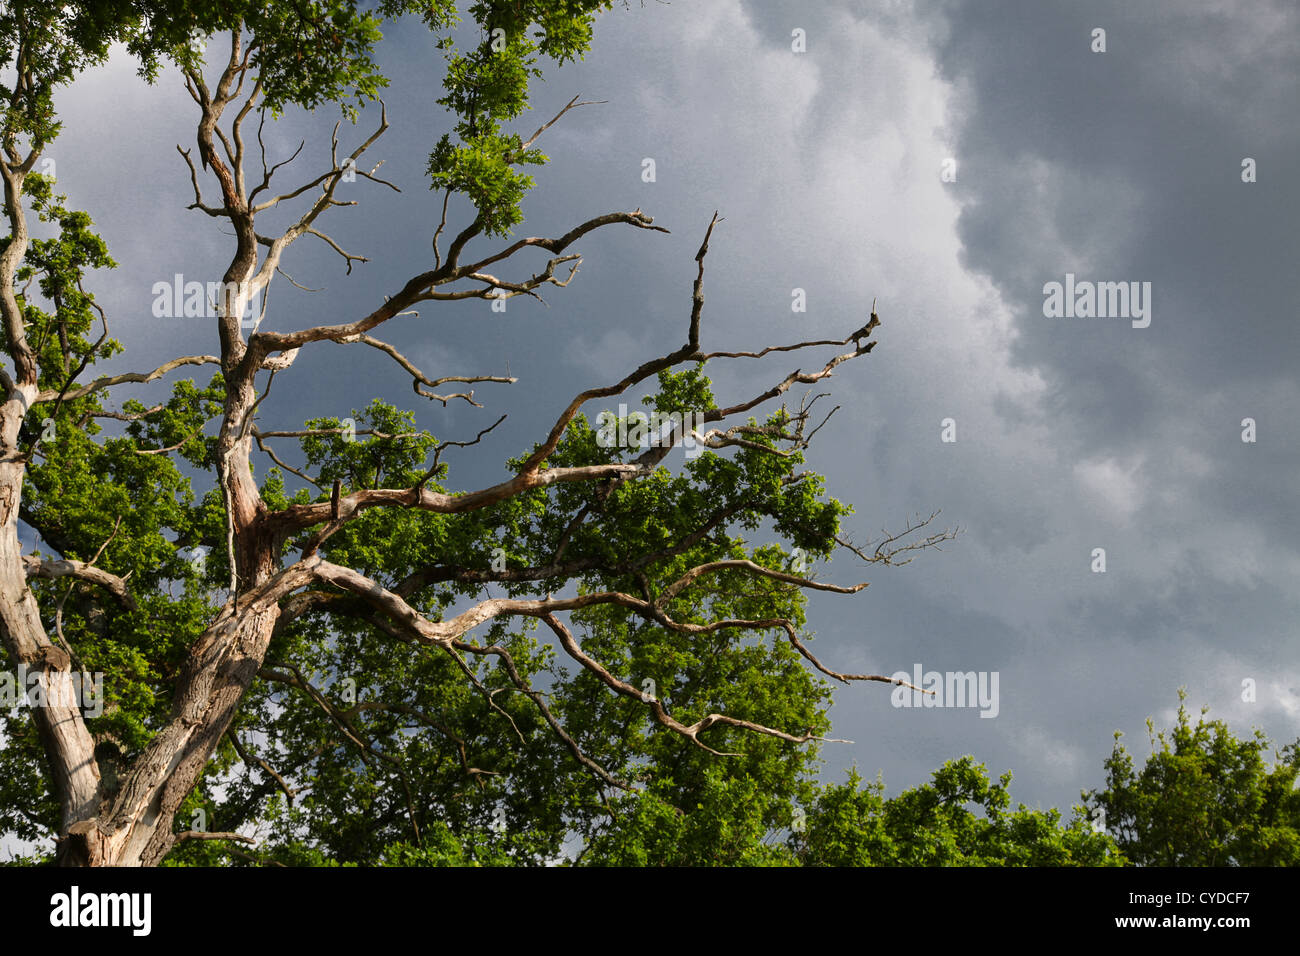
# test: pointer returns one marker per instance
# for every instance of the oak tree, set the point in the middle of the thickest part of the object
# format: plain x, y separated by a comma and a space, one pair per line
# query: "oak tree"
960, 818
339, 645
1204, 797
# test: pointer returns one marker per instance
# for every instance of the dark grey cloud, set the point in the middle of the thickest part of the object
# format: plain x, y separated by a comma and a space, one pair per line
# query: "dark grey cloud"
1073, 434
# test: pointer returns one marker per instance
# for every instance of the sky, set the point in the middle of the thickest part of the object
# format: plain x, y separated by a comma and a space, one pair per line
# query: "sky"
947, 160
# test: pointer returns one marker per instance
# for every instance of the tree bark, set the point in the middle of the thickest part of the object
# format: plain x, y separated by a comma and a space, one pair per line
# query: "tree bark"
137, 829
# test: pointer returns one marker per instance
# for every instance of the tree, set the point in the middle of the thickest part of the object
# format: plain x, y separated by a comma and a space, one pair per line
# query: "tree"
295, 651
931, 825
1203, 798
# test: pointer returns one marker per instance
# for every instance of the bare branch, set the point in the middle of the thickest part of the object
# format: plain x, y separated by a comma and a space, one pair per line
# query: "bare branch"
572, 104
422, 717
120, 416
494, 288
443, 446
107, 381
635, 218
445, 633
305, 432
348, 257
294, 283
547, 714
258, 761
376, 179
293, 193
670, 592
420, 378
295, 679
162, 451
258, 437
198, 195
437, 256
884, 554
799, 646
67, 567
420, 288
656, 707
206, 835
532, 475
267, 173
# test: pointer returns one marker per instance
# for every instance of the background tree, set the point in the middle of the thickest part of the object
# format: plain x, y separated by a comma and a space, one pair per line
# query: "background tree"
1203, 798
935, 825
294, 651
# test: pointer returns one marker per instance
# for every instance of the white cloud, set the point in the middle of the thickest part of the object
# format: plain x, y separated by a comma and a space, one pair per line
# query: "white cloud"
1114, 484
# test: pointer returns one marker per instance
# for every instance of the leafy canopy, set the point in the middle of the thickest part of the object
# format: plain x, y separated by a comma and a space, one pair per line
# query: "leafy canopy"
935, 825
1203, 798
352, 746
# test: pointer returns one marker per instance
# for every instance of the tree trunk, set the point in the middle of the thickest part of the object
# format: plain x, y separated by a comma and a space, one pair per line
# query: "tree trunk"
136, 830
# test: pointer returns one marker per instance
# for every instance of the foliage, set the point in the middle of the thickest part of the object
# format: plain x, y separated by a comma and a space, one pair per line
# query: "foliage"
1203, 798
933, 825
355, 745
449, 760
488, 85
